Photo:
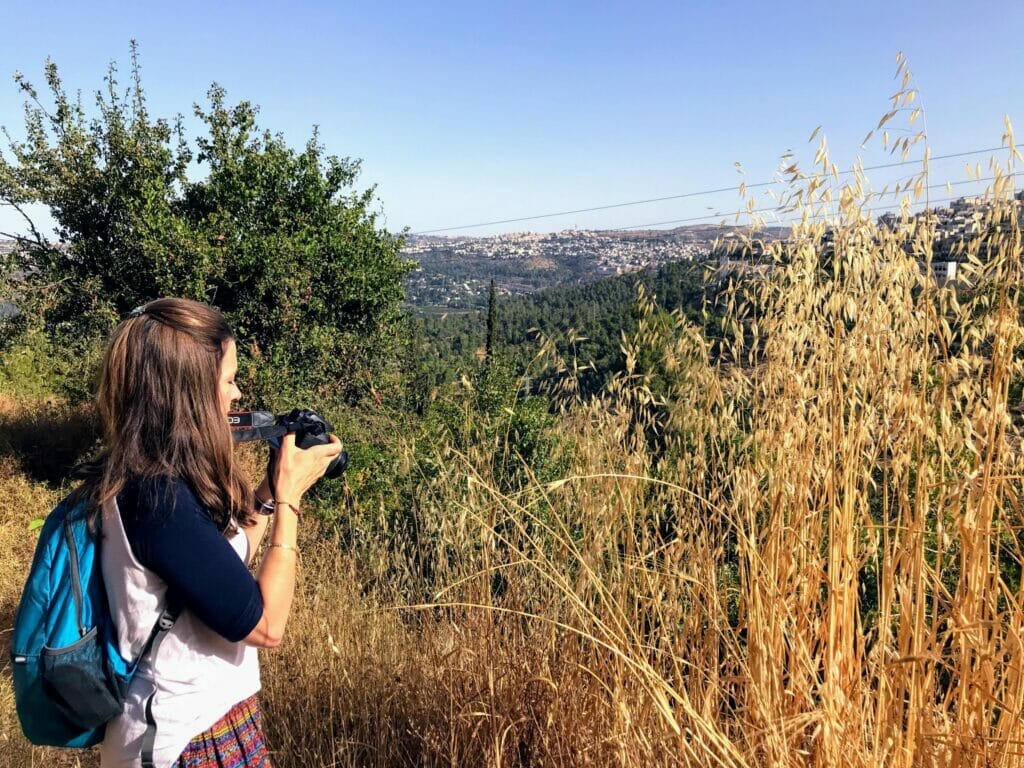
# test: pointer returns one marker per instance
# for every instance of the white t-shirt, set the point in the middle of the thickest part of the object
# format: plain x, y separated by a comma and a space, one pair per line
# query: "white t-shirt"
197, 674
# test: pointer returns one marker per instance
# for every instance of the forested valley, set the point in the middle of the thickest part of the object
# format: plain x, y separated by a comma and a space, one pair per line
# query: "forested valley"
587, 322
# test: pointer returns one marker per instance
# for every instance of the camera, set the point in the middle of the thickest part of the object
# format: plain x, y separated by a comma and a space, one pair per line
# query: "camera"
308, 426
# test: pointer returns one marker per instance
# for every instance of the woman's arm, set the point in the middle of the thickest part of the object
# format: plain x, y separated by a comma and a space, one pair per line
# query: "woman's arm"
296, 471
172, 534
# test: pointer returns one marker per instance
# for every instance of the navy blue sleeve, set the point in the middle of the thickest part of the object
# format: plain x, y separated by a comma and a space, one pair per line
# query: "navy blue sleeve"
171, 534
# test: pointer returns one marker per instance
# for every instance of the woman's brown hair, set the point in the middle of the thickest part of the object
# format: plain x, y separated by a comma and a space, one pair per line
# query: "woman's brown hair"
158, 400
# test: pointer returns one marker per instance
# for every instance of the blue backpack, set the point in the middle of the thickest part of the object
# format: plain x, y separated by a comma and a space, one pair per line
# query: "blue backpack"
69, 677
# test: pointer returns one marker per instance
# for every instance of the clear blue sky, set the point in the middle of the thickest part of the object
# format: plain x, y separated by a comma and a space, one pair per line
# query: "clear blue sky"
466, 112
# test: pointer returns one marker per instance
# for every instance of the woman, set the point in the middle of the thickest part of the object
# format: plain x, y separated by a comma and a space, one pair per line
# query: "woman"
180, 524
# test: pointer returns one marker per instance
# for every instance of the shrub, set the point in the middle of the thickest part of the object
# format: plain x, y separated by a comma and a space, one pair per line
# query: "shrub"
278, 239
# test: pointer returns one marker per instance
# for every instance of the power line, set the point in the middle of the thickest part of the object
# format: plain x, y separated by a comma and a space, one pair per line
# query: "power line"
509, 285
699, 193
777, 209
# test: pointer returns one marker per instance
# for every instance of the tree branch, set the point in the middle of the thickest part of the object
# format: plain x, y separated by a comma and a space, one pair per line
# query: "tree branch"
38, 239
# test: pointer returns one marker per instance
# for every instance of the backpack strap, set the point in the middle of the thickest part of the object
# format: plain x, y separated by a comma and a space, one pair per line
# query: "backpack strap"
76, 575
160, 630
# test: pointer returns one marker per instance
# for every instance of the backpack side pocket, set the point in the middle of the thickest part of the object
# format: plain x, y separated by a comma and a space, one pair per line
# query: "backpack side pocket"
80, 681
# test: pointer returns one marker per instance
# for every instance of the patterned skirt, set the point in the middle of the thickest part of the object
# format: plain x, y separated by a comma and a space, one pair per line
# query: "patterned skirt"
234, 741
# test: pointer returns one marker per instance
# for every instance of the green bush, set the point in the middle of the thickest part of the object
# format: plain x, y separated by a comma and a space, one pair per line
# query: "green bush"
27, 370
278, 239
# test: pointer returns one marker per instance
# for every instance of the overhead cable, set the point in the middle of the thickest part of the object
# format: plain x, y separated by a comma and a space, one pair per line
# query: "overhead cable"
698, 193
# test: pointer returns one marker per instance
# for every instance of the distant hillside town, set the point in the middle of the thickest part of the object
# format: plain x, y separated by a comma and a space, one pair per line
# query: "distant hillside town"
455, 272
955, 226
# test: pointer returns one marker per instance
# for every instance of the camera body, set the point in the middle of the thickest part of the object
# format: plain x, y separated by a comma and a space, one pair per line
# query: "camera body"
308, 426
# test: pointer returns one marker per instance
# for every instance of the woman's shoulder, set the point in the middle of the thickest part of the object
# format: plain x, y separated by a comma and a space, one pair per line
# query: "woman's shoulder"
158, 495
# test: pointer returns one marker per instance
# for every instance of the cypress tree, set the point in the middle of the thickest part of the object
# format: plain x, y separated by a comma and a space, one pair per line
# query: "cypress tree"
492, 321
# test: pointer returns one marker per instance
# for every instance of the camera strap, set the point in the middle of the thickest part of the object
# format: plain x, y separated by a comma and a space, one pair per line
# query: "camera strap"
254, 425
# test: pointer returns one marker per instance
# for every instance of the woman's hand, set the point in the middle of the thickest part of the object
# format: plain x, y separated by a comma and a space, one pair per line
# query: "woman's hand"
296, 469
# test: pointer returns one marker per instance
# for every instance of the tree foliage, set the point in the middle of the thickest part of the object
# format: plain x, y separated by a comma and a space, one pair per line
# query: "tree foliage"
588, 322
279, 239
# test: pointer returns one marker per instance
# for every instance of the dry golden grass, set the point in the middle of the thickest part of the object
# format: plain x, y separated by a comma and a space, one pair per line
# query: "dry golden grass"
799, 545
818, 564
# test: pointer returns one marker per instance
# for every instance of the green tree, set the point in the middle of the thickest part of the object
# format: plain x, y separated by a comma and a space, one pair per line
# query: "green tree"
279, 239
492, 320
